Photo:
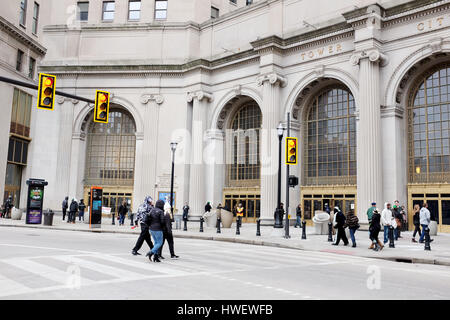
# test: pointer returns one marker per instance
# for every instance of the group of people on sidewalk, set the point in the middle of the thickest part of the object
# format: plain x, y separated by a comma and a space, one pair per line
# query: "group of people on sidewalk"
75, 208
156, 223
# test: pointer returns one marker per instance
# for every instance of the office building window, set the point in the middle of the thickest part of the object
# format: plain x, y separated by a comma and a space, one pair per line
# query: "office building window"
19, 60
35, 18
108, 10
31, 67
21, 113
23, 12
214, 13
134, 10
83, 11
249, 2
161, 9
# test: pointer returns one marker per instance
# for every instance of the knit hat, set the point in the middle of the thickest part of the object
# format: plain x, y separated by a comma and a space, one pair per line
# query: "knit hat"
374, 203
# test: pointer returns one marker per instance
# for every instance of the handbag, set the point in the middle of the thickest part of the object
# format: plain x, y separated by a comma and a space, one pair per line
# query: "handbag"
357, 226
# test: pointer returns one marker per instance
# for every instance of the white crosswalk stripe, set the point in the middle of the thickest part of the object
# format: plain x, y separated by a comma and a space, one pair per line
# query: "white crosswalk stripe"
12, 287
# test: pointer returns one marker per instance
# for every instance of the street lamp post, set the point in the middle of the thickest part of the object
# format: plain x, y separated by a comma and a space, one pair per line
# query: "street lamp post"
173, 147
279, 211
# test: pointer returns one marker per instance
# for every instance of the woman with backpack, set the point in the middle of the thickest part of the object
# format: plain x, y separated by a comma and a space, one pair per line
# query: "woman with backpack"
353, 225
416, 222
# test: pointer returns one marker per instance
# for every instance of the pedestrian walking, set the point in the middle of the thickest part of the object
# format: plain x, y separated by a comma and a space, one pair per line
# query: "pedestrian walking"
340, 226
7, 207
374, 229
370, 212
425, 219
398, 216
387, 220
65, 205
143, 210
155, 221
73, 209
185, 211
123, 209
81, 208
352, 222
298, 213
416, 222
208, 207
167, 236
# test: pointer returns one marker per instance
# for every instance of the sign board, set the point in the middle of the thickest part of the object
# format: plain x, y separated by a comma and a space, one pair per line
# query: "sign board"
106, 210
35, 200
95, 206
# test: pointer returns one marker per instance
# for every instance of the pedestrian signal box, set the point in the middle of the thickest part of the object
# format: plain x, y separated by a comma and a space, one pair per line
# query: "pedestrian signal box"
101, 110
95, 207
291, 151
46, 91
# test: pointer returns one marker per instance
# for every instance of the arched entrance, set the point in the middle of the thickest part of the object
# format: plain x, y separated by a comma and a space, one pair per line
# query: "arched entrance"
110, 158
329, 147
242, 153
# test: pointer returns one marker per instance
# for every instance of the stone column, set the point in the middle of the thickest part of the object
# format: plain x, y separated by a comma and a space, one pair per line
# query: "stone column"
369, 157
146, 149
271, 113
197, 192
77, 164
215, 166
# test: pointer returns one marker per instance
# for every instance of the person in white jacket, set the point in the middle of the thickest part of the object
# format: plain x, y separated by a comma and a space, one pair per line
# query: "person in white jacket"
387, 220
425, 218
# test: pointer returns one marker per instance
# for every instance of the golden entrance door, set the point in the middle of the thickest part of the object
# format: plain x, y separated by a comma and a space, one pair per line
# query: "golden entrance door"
438, 199
112, 197
314, 199
251, 201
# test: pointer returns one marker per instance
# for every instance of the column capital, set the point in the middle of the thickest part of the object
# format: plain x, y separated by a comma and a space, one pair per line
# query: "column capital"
273, 79
199, 95
374, 55
139, 135
145, 98
79, 136
61, 100
215, 134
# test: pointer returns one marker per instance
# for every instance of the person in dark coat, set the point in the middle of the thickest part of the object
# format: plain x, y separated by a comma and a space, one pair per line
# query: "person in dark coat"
155, 220
167, 235
123, 209
416, 222
65, 205
73, 209
398, 219
340, 226
208, 207
374, 229
81, 208
7, 207
353, 225
298, 213
185, 211
143, 210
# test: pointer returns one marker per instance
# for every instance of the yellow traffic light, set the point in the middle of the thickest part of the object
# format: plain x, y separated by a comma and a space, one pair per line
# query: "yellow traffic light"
291, 151
101, 110
46, 91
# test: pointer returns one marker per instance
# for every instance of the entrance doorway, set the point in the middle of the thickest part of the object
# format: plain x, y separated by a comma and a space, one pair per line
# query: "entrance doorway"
112, 198
250, 201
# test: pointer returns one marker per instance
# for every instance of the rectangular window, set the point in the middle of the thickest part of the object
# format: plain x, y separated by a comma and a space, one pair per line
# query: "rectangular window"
18, 151
34, 29
214, 13
134, 10
108, 10
31, 67
160, 9
19, 60
83, 11
249, 2
23, 13
21, 113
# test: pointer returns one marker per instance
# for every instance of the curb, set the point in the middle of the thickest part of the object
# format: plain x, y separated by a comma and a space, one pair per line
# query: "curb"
400, 259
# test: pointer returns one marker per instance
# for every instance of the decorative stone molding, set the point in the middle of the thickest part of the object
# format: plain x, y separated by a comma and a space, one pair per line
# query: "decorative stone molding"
61, 100
215, 134
435, 45
374, 55
392, 111
273, 78
199, 95
319, 70
294, 125
145, 98
79, 136
139, 135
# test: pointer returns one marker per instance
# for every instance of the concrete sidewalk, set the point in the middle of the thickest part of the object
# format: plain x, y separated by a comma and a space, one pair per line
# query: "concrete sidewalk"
404, 251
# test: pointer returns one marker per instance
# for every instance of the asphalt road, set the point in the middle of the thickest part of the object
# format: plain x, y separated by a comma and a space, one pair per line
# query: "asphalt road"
52, 264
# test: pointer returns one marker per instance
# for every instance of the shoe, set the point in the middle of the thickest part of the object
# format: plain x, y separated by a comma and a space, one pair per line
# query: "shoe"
135, 253
354, 245
345, 244
380, 245
160, 256
155, 258
149, 255
421, 241
413, 240
431, 240
334, 244
372, 246
174, 256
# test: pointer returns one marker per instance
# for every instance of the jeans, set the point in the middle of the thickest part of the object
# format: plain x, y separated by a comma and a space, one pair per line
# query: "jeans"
422, 236
81, 215
386, 234
298, 222
396, 233
352, 235
158, 238
121, 219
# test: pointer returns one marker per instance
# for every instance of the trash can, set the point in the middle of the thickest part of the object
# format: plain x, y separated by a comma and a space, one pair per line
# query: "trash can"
226, 217
211, 219
320, 220
48, 218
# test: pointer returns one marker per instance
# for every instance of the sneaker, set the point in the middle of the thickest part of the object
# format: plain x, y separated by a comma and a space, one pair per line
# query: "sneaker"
174, 256
421, 241
413, 240
135, 253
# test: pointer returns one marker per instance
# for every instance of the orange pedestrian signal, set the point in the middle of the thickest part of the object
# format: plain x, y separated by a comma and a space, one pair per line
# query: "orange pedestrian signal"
46, 91
101, 110
291, 151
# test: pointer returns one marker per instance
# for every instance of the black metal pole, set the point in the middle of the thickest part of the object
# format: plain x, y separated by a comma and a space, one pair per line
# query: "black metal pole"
258, 227
427, 239
330, 232
171, 185
286, 227
201, 224
278, 212
218, 225
237, 226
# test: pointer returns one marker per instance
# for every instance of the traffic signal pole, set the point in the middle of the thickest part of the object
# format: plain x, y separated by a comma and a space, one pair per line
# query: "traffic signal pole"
35, 87
286, 227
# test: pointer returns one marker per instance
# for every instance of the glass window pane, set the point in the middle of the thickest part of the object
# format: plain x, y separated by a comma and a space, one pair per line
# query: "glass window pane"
161, 5
161, 14
135, 5
134, 15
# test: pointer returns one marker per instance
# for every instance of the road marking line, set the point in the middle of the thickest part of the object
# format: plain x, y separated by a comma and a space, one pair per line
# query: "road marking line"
10, 286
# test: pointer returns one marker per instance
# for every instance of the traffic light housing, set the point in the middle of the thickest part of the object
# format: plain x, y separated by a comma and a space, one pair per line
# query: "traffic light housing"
291, 151
46, 91
101, 110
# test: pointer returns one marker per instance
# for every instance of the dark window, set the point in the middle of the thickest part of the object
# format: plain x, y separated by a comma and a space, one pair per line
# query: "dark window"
108, 10
134, 10
18, 151
249, 2
19, 60
233, 1
34, 28
161, 9
83, 11
23, 13
214, 13
31, 67
21, 113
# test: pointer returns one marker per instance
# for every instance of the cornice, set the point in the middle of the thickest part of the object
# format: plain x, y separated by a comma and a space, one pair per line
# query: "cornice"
22, 36
392, 111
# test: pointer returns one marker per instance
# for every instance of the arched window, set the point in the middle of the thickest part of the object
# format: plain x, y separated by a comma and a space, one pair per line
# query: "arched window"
330, 140
429, 128
245, 126
111, 151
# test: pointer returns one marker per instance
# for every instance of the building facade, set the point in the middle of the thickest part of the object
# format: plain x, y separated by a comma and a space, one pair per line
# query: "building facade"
365, 83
